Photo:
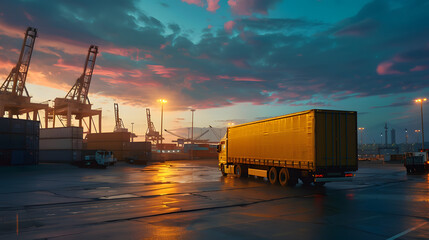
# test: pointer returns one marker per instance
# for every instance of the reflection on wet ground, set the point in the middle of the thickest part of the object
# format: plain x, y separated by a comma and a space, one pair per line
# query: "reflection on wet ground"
191, 200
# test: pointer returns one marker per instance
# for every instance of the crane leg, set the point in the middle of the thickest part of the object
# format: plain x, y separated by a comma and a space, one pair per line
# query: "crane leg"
1, 111
68, 116
99, 122
90, 126
46, 118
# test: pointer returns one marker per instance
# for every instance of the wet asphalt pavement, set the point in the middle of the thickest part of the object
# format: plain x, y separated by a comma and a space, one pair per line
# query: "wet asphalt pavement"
191, 200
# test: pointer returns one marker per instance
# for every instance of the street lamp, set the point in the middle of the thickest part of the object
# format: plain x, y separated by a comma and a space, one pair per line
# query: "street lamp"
361, 135
132, 132
162, 101
421, 100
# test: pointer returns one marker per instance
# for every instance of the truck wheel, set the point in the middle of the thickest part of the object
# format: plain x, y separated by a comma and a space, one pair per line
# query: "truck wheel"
238, 171
272, 175
283, 177
222, 170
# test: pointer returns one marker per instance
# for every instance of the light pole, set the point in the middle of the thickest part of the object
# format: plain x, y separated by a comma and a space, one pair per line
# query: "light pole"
361, 138
421, 100
132, 132
192, 135
162, 101
361, 135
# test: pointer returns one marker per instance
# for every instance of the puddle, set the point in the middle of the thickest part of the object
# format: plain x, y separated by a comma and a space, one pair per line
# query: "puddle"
119, 196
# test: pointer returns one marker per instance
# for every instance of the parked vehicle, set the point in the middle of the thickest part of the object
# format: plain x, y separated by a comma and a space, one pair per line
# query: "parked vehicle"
316, 146
99, 158
417, 162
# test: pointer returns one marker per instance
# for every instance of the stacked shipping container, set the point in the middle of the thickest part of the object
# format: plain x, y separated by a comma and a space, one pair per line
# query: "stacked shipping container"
61, 145
113, 141
119, 143
19, 142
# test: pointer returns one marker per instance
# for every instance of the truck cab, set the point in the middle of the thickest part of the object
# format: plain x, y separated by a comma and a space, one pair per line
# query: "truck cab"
417, 161
221, 149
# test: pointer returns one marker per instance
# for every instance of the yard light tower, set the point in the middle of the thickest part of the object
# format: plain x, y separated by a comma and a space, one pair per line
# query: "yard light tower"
162, 101
421, 100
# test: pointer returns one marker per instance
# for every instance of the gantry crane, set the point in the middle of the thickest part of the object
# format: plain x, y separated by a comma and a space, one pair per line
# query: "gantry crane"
119, 126
151, 134
14, 97
76, 101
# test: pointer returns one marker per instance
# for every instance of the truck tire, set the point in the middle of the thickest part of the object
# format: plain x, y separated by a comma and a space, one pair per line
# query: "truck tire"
272, 175
283, 176
222, 170
238, 171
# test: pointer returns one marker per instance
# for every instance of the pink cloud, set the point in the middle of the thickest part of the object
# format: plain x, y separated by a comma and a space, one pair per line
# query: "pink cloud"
66, 67
248, 7
248, 79
213, 5
241, 63
196, 2
228, 26
6, 65
419, 68
28, 16
223, 77
209, 26
163, 71
385, 68
164, 45
148, 56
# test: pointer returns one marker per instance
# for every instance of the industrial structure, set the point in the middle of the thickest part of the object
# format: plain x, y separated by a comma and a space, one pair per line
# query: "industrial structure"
151, 134
76, 103
119, 124
14, 97
182, 140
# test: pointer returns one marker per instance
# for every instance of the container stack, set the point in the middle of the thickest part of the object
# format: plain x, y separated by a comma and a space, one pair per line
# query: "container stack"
61, 145
19, 142
138, 151
113, 141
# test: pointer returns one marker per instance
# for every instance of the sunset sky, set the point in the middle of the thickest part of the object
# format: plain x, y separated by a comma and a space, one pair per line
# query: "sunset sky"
232, 60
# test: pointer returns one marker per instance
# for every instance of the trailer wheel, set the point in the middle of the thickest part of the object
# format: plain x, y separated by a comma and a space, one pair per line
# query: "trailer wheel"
283, 176
272, 175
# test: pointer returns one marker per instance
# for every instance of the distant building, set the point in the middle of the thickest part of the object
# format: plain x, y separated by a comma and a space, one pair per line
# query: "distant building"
393, 135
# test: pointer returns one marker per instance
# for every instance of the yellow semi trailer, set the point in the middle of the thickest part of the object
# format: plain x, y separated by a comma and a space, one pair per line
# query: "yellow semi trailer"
315, 146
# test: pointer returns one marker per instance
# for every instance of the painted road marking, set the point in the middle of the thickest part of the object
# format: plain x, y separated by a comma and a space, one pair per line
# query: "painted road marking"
406, 231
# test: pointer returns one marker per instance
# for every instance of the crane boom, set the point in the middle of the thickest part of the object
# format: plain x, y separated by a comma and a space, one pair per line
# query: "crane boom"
119, 126
80, 89
151, 133
15, 82
175, 134
202, 134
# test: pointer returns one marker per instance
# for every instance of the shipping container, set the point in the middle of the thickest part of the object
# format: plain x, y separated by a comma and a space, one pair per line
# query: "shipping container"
65, 132
109, 137
315, 146
58, 144
139, 146
19, 141
110, 146
59, 156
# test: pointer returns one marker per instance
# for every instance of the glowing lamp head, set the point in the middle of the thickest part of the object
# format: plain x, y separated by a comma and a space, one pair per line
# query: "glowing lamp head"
162, 100
361, 128
420, 100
